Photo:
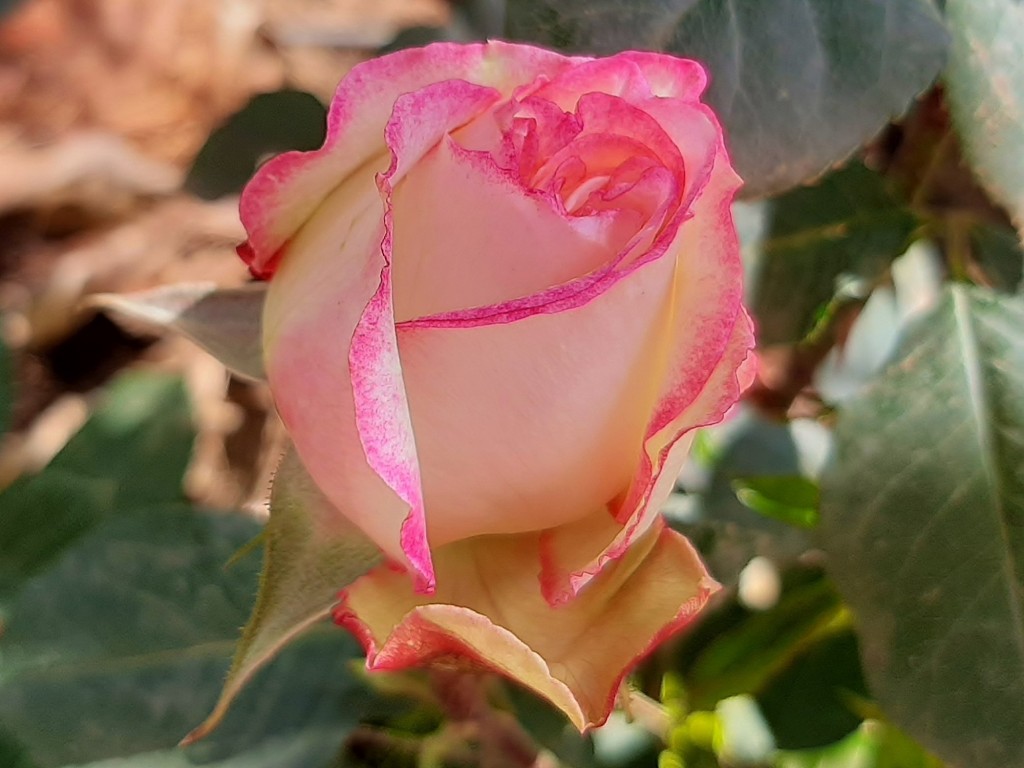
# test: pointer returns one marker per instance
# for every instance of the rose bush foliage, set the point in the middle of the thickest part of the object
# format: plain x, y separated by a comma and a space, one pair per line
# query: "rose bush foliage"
502, 297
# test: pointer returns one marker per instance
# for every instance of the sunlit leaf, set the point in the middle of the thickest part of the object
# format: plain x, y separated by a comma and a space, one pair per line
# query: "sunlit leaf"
792, 499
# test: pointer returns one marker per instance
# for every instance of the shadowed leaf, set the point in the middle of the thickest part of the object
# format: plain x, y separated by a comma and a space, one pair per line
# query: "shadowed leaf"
798, 84
922, 521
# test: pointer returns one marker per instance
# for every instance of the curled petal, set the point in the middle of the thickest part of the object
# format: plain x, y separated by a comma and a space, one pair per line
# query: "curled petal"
489, 613
710, 364
286, 191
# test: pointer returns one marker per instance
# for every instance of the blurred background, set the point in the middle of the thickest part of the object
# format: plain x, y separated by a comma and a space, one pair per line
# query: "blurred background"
119, 174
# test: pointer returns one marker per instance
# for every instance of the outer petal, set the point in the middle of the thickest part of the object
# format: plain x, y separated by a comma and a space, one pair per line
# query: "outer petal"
553, 406
330, 340
286, 191
488, 612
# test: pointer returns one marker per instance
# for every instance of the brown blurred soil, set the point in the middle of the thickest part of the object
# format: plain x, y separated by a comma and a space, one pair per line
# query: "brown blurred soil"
103, 106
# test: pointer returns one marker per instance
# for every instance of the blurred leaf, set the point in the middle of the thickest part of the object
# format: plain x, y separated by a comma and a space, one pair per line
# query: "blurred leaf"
470, 20
790, 499
808, 704
873, 745
550, 728
132, 451
312, 748
140, 436
997, 250
921, 519
42, 515
849, 224
729, 533
736, 651
312, 552
798, 84
6, 389
985, 83
269, 124
226, 322
147, 618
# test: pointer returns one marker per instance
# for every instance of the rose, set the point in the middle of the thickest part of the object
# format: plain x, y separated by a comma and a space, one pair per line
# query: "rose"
503, 295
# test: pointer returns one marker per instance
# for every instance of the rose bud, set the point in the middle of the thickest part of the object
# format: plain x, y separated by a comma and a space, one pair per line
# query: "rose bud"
503, 295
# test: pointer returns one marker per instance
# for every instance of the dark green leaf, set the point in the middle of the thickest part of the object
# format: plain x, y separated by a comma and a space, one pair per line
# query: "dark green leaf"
269, 124
791, 499
140, 437
997, 251
923, 522
122, 645
849, 224
985, 83
737, 651
810, 702
798, 84
44, 514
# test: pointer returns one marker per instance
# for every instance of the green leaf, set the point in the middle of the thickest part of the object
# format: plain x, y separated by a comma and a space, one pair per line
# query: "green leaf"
43, 515
849, 224
119, 646
140, 436
132, 452
922, 522
469, 20
735, 651
226, 322
985, 84
873, 745
270, 123
791, 499
6, 388
728, 532
312, 748
312, 552
997, 251
798, 84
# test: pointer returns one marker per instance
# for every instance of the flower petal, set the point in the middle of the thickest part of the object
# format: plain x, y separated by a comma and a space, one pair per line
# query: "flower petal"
710, 365
287, 190
489, 241
553, 405
488, 613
